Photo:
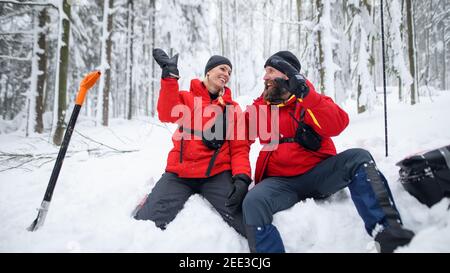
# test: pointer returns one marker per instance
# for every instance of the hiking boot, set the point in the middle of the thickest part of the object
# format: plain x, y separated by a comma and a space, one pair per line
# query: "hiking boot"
390, 238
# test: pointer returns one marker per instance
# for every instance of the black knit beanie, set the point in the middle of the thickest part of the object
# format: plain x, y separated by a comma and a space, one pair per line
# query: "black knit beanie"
215, 61
286, 56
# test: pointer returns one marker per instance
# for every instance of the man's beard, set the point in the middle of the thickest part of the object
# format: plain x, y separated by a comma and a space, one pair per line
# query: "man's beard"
273, 93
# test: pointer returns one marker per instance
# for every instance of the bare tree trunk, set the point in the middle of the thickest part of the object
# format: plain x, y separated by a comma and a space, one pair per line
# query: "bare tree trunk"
371, 9
42, 66
289, 26
106, 90
400, 87
416, 53
267, 29
348, 15
5, 100
319, 5
63, 66
402, 28
227, 41
146, 48
427, 45
361, 107
444, 70
117, 95
221, 38
153, 42
299, 19
28, 118
411, 51
235, 50
1, 93
444, 57
130, 64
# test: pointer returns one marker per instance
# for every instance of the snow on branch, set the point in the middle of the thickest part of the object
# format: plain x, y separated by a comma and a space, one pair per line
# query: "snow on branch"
15, 58
29, 3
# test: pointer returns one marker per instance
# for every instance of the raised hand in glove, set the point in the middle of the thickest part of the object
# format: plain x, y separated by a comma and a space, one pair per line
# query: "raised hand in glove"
296, 83
238, 192
168, 65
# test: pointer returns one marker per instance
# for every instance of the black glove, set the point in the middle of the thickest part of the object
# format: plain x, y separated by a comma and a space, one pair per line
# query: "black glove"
168, 65
296, 84
238, 192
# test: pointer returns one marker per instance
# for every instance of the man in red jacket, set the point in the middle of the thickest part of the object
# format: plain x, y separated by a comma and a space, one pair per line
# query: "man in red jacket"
304, 163
203, 159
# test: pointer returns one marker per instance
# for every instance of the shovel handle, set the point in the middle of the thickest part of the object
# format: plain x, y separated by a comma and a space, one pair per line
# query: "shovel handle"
86, 84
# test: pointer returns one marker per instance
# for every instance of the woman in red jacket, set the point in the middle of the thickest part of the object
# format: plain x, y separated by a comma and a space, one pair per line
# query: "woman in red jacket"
203, 159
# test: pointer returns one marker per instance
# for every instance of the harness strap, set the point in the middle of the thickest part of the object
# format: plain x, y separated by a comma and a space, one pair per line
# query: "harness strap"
200, 134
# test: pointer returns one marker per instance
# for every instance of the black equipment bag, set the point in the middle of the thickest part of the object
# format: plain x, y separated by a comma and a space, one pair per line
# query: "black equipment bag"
426, 175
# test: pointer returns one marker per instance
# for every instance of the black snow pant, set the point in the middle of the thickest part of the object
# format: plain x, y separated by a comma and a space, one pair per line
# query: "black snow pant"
171, 192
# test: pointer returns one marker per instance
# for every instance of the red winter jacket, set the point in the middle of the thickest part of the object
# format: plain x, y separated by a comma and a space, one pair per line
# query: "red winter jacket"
195, 157
291, 159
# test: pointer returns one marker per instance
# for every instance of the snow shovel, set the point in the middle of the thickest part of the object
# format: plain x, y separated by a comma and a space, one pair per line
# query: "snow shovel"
88, 81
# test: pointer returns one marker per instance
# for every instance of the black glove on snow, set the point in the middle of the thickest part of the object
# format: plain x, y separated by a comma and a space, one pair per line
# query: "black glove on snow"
296, 84
238, 192
168, 65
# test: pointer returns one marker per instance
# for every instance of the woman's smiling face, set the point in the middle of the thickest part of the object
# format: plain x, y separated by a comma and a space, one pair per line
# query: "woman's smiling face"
219, 76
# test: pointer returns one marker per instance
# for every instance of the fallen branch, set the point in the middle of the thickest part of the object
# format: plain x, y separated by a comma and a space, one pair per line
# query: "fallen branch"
101, 144
11, 161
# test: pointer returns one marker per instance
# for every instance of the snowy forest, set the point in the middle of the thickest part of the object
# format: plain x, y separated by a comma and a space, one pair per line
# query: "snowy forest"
46, 47
120, 146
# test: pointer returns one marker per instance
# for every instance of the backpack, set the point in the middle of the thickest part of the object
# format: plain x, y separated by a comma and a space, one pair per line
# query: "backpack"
426, 175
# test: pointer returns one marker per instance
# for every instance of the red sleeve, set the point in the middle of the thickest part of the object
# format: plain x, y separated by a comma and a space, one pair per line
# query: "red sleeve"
326, 117
169, 97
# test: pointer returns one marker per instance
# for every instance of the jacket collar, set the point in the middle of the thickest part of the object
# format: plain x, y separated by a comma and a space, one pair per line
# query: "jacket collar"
292, 99
199, 89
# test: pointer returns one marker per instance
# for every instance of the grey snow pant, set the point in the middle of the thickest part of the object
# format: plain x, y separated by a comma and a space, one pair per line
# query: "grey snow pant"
171, 192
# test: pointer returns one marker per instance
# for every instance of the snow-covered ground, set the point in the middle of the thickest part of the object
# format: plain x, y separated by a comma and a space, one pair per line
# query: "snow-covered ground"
97, 190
